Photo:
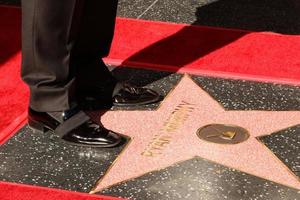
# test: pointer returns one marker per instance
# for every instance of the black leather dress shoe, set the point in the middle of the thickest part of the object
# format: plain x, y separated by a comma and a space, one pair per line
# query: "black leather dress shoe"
126, 94
73, 126
123, 94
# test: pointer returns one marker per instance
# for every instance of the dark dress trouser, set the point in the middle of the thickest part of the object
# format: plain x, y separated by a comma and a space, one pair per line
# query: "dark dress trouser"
62, 43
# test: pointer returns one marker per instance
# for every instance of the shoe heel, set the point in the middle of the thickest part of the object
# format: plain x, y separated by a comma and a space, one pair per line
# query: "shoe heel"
36, 127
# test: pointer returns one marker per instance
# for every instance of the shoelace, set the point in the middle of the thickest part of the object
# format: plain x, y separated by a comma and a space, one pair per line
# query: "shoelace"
95, 126
132, 89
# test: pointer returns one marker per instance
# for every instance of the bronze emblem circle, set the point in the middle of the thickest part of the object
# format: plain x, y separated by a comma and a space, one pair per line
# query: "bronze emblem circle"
223, 134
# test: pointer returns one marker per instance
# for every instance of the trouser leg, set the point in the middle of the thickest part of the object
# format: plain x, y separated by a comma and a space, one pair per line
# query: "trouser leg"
49, 31
93, 43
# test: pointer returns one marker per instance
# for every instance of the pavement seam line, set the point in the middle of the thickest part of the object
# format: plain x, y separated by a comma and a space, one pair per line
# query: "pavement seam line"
147, 9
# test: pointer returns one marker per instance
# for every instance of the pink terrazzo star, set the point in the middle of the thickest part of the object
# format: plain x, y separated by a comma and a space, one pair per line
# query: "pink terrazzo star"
166, 136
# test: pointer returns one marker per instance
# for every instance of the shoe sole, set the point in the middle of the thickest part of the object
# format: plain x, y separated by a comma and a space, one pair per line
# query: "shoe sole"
39, 128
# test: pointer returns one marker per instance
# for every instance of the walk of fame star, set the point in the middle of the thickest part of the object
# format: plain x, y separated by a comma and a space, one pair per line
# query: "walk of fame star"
250, 156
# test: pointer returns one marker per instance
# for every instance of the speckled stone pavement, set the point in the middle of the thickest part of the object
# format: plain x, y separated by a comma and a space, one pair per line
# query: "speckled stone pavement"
163, 158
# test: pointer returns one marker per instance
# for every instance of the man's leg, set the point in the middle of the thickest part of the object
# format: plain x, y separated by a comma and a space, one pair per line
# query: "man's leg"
93, 43
49, 33
96, 87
